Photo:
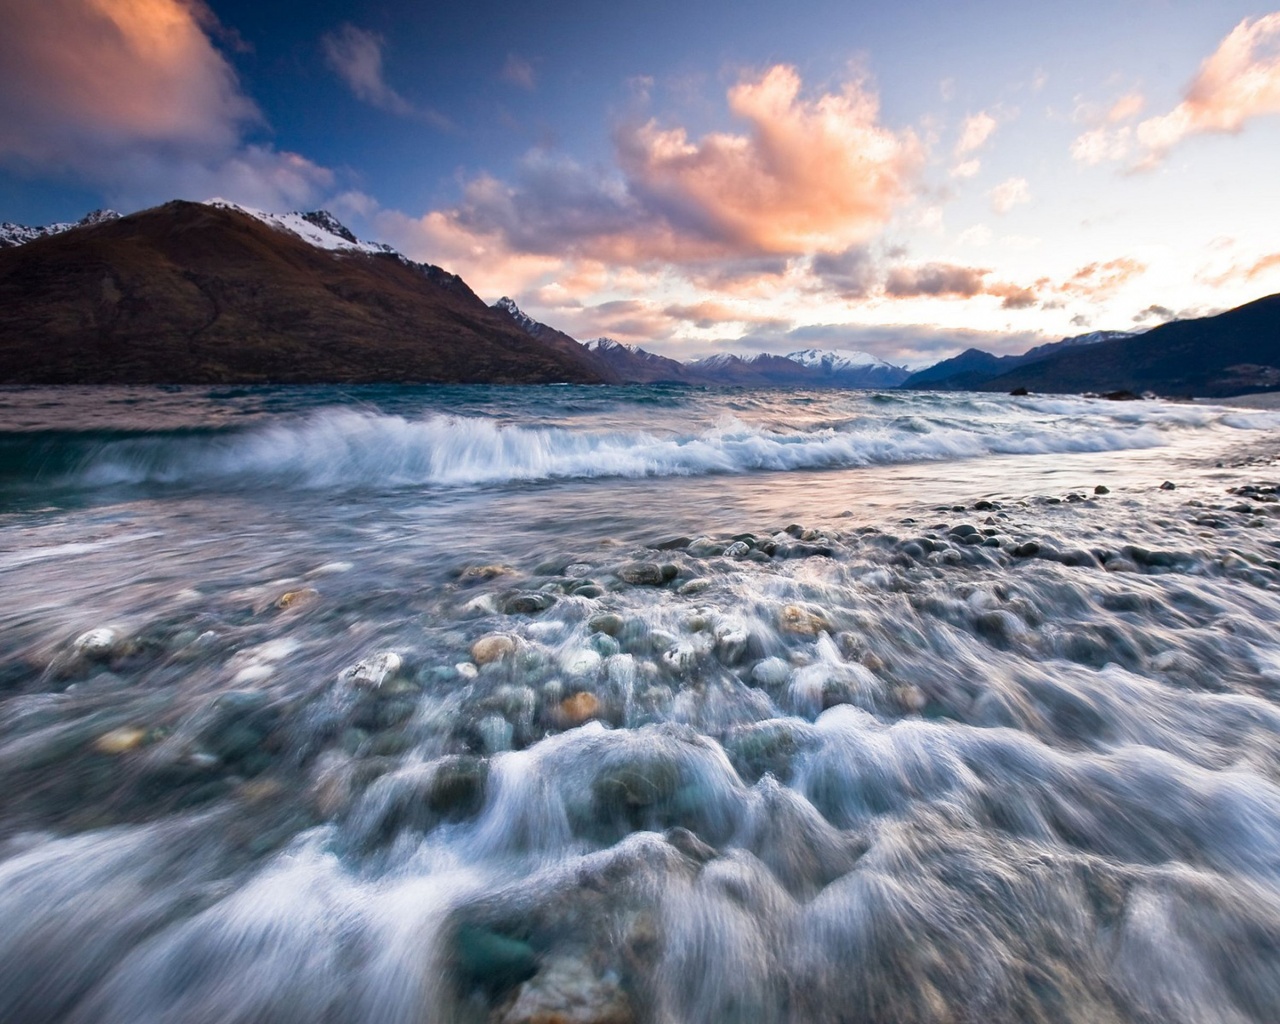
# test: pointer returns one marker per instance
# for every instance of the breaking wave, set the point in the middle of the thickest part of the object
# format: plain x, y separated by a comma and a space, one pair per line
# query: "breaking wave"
345, 448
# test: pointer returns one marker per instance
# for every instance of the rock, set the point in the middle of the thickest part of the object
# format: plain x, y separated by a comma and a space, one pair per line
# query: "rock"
568, 990
1019, 392
372, 673
97, 644
694, 587
494, 647
1168, 485
120, 741
577, 570
770, 673
297, 598
1027, 549
477, 573
1102, 489
604, 645
607, 623
731, 642
802, 621
580, 707
1124, 395
738, 549
682, 658
641, 574
527, 604
582, 662
704, 547
466, 670
491, 961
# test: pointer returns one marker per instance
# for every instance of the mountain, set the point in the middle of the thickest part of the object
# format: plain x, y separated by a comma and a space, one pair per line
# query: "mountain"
558, 340
850, 369
634, 365
973, 367
215, 293
12, 235
1232, 353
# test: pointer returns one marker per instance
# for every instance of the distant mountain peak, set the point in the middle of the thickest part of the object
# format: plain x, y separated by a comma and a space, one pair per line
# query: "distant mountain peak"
21, 234
837, 360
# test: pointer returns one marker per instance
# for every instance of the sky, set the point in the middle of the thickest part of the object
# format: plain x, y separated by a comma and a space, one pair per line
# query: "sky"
700, 176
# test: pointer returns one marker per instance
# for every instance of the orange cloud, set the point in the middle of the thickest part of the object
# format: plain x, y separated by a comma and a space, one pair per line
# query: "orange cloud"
1099, 280
1238, 82
134, 96
140, 70
810, 175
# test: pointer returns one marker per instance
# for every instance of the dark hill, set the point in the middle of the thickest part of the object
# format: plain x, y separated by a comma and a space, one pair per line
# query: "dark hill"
191, 293
1233, 353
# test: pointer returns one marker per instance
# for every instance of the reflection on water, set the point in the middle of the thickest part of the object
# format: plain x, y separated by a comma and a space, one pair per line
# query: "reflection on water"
295, 725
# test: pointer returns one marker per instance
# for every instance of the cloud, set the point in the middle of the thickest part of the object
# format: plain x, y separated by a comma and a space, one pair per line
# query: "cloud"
133, 98
355, 54
1008, 194
808, 175
81, 76
519, 72
935, 279
818, 174
1101, 280
708, 314
966, 169
1238, 82
1126, 107
974, 133
1155, 312
852, 274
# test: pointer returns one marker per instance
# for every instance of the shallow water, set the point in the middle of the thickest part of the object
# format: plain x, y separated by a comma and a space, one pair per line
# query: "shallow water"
635, 704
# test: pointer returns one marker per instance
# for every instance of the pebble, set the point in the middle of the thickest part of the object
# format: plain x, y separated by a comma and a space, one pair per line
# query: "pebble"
568, 990
466, 670
120, 741
704, 547
581, 662
580, 707
97, 644
373, 672
1102, 489
641, 574
738, 549
802, 621
493, 647
1168, 485
771, 672
297, 598
606, 622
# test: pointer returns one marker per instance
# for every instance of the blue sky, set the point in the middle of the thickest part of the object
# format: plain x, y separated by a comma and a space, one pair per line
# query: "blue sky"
696, 177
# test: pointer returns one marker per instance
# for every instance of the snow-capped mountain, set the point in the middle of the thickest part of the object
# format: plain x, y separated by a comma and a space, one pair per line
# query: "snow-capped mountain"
20, 234
319, 227
837, 360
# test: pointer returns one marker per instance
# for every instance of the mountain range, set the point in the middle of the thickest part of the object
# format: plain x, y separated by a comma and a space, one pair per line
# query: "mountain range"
219, 293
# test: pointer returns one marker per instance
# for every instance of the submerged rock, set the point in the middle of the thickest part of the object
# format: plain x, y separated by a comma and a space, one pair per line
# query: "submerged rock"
373, 672
802, 620
568, 990
98, 644
493, 647
642, 574
580, 707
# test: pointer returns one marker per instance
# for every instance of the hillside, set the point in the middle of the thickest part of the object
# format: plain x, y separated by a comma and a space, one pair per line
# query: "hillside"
209, 293
1232, 353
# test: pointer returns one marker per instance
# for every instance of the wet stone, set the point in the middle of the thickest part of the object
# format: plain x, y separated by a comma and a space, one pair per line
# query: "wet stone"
607, 623
527, 604
641, 574
568, 990
492, 962
493, 647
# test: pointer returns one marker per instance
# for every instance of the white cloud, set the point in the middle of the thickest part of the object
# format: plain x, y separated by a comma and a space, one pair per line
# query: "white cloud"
1010, 193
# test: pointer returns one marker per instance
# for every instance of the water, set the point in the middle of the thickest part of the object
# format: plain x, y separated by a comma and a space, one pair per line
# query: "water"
636, 704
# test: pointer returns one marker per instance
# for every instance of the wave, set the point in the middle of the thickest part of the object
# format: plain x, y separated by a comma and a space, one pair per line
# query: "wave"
348, 449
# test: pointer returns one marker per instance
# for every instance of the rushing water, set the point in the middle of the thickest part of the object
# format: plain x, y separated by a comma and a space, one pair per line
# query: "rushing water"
635, 704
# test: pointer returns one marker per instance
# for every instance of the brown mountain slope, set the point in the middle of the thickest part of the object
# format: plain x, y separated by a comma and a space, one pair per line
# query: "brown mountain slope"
189, 293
